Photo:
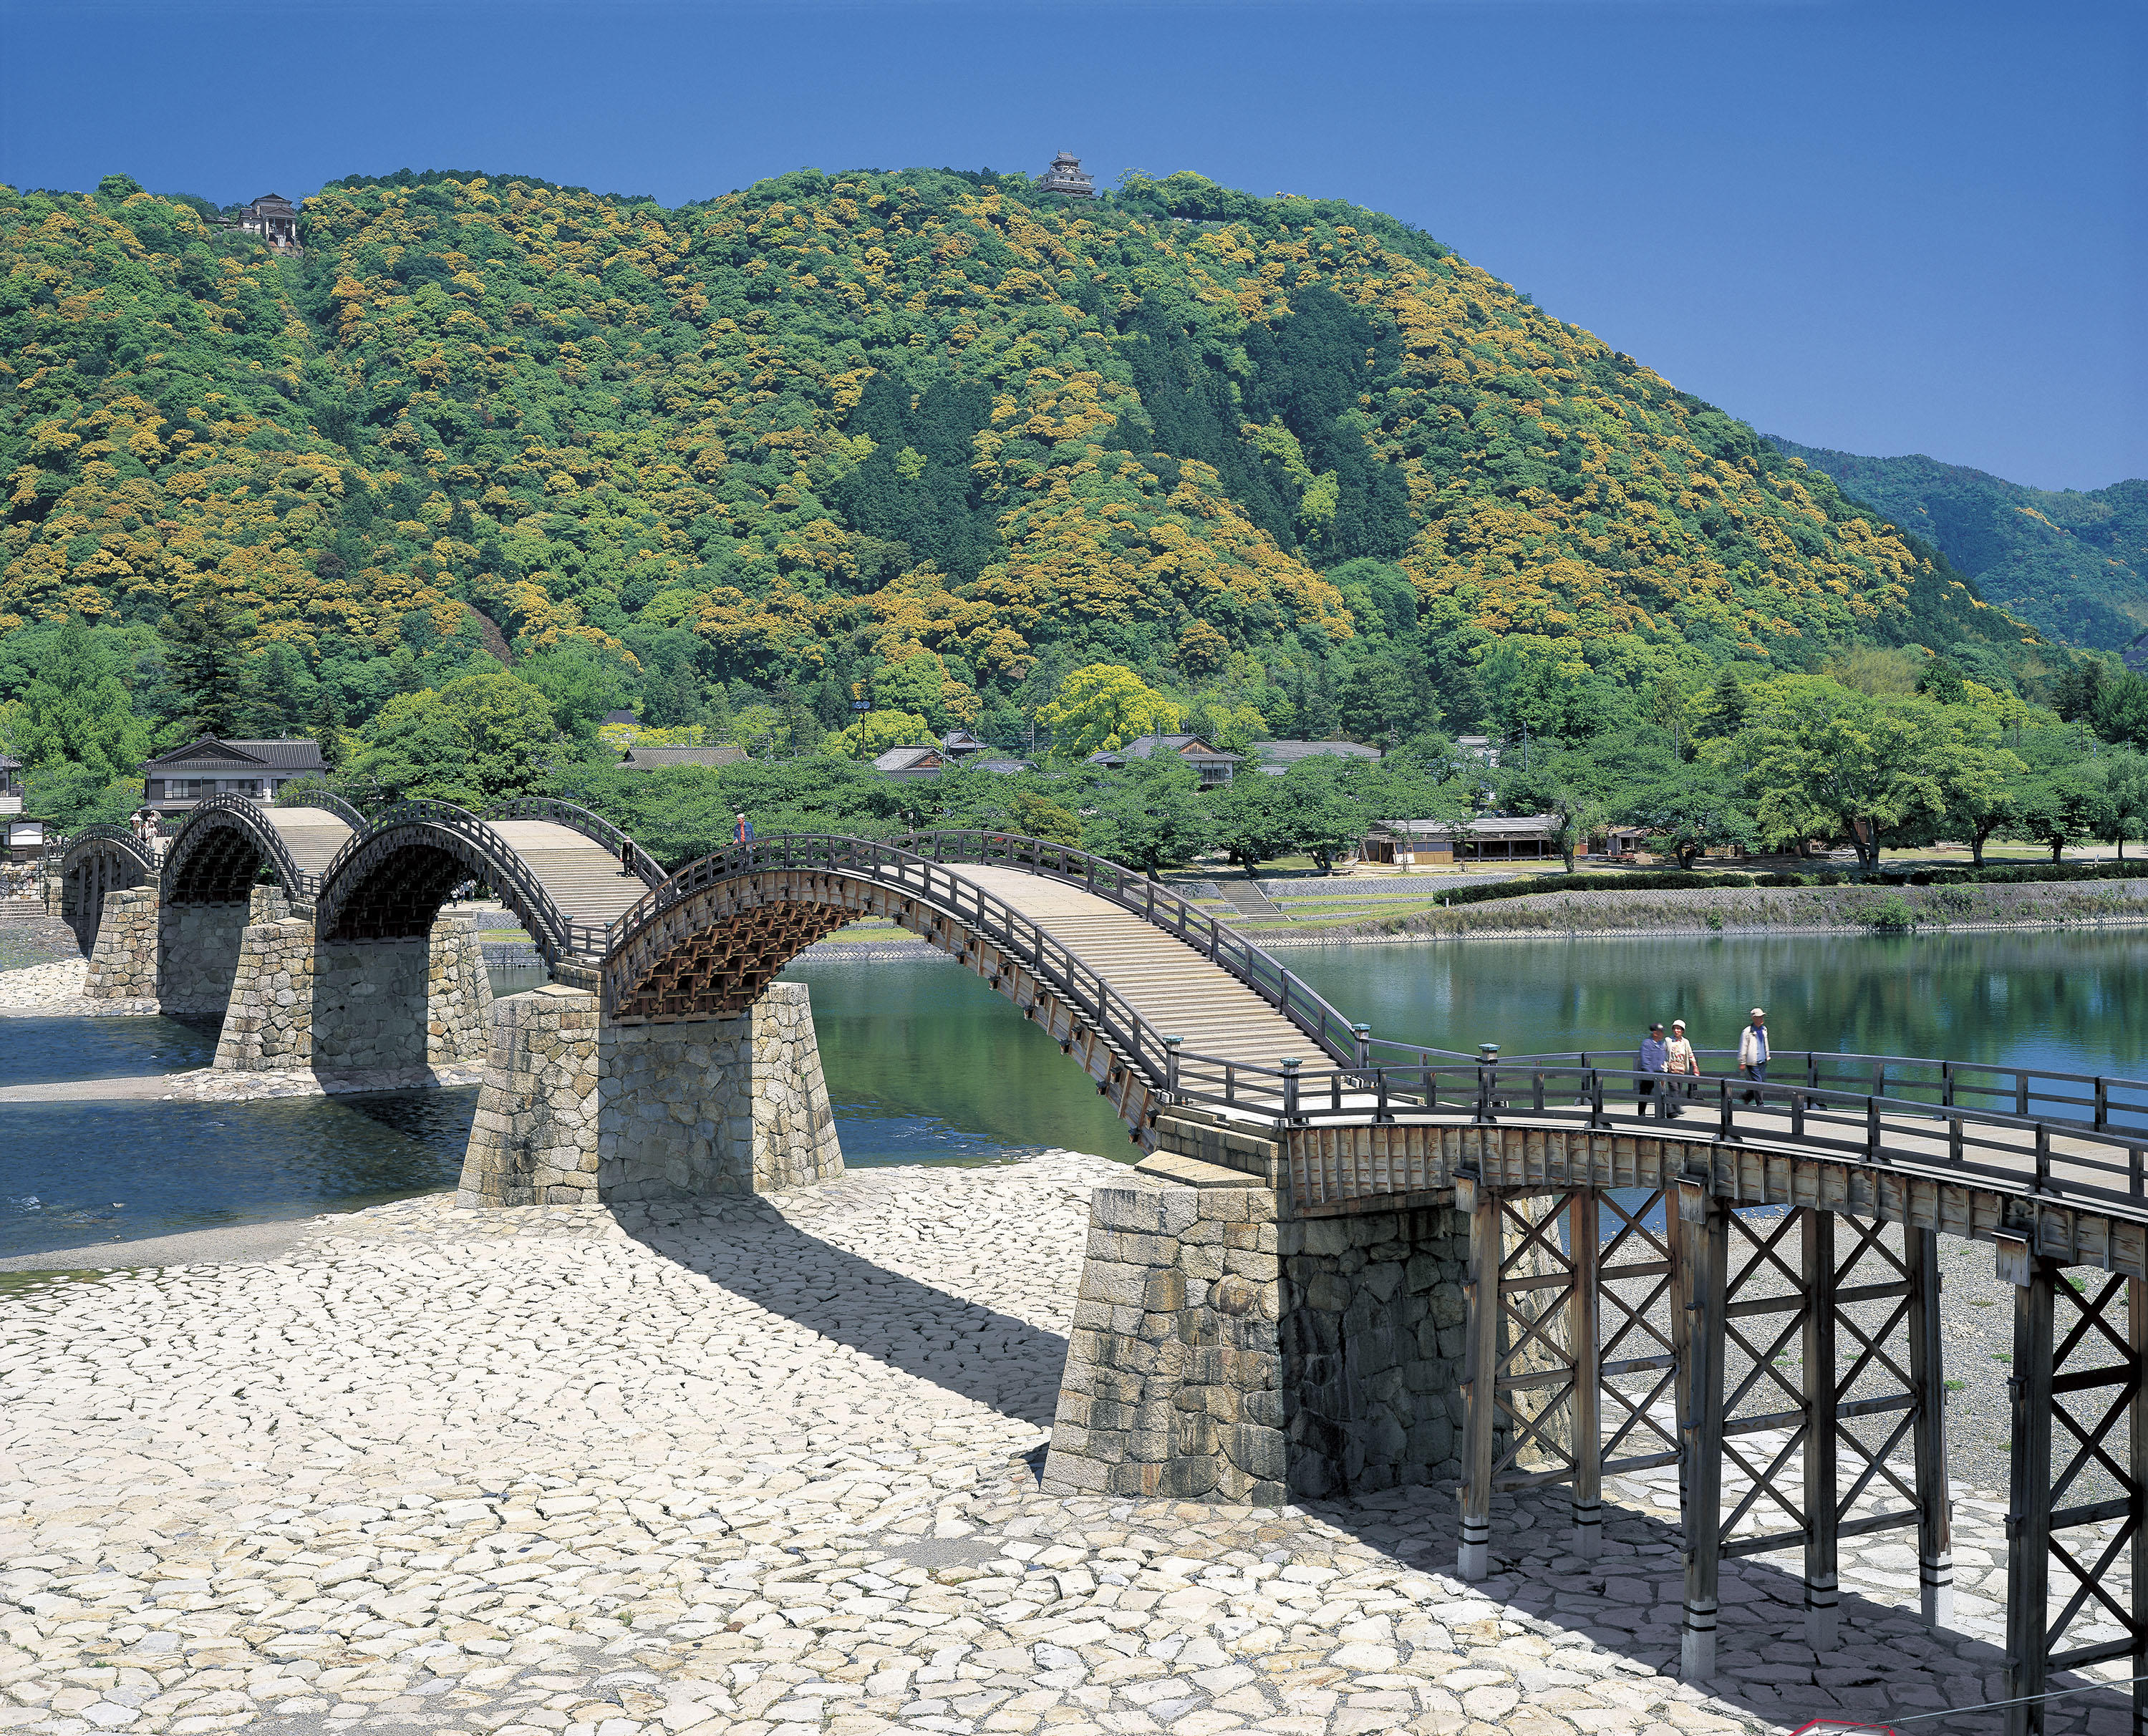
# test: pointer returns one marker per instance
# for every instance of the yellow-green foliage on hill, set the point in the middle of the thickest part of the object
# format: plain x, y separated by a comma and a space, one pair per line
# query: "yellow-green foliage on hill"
829, 422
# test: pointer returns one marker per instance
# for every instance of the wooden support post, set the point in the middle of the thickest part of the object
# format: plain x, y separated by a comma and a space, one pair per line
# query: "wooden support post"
1704, 1225
1584, 1248
1480, 1404
1928, 1387
2029, 1506
2136, 1423
1822, 1374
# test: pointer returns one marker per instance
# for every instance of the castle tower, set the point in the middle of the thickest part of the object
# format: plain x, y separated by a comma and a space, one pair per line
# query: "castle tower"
1066, 176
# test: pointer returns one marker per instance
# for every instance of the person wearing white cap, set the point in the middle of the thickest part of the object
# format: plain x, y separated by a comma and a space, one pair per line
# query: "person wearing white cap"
1680, 1062
1753, 1052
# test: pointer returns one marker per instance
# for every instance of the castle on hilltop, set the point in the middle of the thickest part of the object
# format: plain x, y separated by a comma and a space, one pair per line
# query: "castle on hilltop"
1066, 176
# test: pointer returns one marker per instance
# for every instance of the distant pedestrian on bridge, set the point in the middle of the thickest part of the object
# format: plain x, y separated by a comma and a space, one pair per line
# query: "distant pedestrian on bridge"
1684, 1067
1652, 1063
744, 834
1753, 1052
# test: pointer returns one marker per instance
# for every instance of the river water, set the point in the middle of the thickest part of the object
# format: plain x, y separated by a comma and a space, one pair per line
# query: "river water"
925, 1063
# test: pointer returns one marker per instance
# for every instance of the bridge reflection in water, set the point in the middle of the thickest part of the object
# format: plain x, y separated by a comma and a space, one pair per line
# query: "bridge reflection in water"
1344, 1262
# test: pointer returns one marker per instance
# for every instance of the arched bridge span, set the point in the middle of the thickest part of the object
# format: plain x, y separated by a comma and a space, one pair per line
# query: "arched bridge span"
564, 871
228, 842
1114, 966
95, 862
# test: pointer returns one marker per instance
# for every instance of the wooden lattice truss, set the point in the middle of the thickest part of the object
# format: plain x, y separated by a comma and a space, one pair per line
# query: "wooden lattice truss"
216, 859
711, 955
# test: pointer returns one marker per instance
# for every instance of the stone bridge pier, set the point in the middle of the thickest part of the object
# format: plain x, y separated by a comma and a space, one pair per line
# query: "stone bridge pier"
354, 1006
578, 1109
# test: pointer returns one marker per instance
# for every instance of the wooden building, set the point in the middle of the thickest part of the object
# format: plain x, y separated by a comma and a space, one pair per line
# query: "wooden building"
1440, 843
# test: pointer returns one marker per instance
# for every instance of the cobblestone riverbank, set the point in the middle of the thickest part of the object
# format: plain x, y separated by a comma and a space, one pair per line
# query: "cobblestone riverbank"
771, 1467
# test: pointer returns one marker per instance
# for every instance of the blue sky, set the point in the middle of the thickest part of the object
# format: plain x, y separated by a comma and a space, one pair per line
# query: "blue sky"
1877, 226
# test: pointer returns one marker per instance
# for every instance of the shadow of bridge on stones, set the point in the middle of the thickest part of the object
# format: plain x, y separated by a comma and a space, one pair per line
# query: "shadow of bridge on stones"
747, 1248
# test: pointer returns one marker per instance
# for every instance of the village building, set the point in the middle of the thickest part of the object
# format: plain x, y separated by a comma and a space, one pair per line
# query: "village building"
1275, 758
174, 782
1214, 765
927, 759
1441, 843
274, 219
638, 758
1066, 176
11, 785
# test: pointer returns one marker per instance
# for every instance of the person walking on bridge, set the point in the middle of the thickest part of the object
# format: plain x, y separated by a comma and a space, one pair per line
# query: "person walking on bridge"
1753, 1052
743, 834
1651, 1064
1684, 1067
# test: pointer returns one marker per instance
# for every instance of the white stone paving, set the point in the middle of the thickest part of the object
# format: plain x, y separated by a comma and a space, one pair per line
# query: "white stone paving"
767, 1468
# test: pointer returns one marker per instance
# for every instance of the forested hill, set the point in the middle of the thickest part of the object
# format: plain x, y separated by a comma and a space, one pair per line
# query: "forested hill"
830, 424
2074, 563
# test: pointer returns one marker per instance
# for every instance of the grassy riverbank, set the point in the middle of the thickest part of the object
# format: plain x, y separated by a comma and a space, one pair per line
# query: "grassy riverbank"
1740, 909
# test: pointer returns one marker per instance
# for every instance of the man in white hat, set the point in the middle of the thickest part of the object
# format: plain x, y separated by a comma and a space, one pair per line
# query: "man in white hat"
1752, 1051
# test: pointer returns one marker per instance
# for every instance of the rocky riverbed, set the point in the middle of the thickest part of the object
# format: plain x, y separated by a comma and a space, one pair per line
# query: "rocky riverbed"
770, 1466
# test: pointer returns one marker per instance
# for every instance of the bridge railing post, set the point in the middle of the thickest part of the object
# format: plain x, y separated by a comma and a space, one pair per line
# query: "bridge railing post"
1290, 1067
1171, 1047
1487, 1066
1364, 1034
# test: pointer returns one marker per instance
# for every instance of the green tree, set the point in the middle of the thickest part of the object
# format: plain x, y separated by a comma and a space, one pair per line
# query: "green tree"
204, 654
1828, 761
581, 682
75, 710
1723, 709
916, 684
877, 731
2057, 807
472, 742
1688, 806
69, 795
2124, 806
1569, 786
1151, 815
1254, 819
327, 725
1103, 705
1378, 705
1326, 819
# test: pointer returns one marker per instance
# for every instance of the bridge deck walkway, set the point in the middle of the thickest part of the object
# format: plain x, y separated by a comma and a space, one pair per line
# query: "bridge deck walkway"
313, 835
585, 880
1166, 981
2102, 1173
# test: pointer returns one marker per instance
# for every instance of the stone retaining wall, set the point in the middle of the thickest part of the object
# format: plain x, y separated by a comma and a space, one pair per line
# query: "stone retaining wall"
122, 965
575, 1111
1220, 1353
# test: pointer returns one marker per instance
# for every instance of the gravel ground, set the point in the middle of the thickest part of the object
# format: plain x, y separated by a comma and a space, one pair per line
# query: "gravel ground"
765, 1468
36, 942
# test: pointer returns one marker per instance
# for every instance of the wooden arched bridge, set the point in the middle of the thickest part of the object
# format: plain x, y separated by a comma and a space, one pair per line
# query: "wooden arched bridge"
1344, 1262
